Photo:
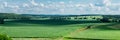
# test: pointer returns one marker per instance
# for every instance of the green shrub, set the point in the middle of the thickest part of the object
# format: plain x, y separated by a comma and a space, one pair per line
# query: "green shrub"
1, 21
4, 37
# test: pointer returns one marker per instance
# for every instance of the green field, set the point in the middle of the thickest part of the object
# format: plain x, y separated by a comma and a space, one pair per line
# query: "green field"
20, 29
98, 32
55, 29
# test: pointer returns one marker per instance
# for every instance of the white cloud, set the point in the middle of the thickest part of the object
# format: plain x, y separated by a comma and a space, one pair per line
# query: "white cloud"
5, 4
78, 5
108, 10
41, 4
33, 2
103, 3
91, 5
26, 5
1, 6
62, 2
62, 10
107, 2
105, 6
49, 2
70, 1
14, 6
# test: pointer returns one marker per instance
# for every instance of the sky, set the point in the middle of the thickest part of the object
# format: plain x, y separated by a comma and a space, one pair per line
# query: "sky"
60, 7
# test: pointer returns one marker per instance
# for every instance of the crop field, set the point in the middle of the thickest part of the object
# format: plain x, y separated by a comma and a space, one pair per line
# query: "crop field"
37, 30
49, 30
102, 32
43, 30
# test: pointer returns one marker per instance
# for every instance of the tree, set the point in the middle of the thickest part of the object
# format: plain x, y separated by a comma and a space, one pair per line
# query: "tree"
119, 20
105, 20
1, 21
6, 16
80, 18
94, 18
68, 18
75, 18
85, 17
4, 37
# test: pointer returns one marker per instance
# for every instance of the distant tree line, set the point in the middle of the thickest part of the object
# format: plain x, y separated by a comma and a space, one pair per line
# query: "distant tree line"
110, 18
106, 18
11, 16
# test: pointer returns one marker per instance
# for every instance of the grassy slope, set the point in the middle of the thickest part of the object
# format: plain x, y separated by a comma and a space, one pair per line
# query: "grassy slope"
41, 29
38, 30
98, 33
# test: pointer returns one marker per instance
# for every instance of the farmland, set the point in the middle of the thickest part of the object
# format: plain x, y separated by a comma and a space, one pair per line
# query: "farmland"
34, 29
20, 29
39, 30
61, 27
98, 32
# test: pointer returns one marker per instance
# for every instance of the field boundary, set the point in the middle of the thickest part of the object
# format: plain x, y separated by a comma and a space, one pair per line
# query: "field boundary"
72, 33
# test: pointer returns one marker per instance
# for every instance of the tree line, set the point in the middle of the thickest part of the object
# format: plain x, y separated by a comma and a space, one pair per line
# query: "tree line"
106, 18
111, 18
11, 16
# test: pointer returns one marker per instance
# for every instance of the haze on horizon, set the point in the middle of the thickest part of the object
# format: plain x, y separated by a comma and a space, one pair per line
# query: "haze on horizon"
60, 7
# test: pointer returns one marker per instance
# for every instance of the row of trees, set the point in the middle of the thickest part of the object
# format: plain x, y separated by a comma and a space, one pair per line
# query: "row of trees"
110, 18
12, 16
74, 18
106, 18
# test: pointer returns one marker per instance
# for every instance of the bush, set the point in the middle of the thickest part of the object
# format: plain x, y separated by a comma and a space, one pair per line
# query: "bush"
105, 20
85, 18
94, 18
4, 37
1, 21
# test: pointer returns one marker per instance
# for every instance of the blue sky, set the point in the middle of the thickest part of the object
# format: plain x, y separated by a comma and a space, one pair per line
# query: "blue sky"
60, 7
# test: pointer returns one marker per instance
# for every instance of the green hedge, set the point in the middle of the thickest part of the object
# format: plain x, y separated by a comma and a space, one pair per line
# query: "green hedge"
4, 37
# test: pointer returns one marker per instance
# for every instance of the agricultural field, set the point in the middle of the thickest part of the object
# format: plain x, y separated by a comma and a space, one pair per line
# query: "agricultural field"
35, 29
98, 32
49, 30
75, 28
59, 19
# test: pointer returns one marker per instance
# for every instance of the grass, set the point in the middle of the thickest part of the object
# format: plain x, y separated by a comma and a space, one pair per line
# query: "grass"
55, 29
19, 29
33, 38
98, 33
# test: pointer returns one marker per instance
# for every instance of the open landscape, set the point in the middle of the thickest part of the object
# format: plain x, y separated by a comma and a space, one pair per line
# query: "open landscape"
59, 19
77, 27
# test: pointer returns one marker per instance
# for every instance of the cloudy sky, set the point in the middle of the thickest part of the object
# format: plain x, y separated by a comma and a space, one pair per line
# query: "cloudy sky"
60, 7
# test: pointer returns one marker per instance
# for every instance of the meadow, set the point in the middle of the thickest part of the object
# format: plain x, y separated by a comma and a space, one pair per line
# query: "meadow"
98, 32
54, 29
28, 29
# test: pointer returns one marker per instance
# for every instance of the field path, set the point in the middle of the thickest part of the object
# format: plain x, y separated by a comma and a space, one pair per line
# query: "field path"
76, 31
